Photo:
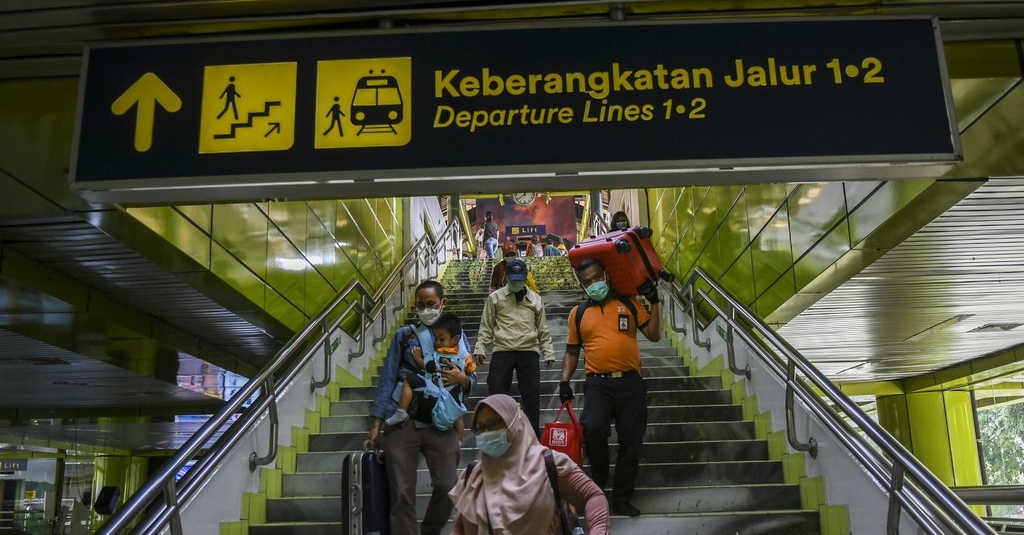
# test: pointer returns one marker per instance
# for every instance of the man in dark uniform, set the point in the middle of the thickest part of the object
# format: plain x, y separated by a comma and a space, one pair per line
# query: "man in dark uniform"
605, 327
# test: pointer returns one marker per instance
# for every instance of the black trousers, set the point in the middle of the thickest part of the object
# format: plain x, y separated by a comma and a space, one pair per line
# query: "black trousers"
526, 365
624, 400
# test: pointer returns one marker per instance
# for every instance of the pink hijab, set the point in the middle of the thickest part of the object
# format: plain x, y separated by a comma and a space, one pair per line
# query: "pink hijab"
512, 491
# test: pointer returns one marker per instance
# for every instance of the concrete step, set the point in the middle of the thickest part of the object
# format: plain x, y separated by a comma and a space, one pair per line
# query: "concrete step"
661, 452
651, 476
549, 396
788, 522
676, 500
671, 413
654, 399
656, 432
550, 379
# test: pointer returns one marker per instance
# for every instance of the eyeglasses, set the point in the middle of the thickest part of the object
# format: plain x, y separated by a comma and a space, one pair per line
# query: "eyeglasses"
489, 425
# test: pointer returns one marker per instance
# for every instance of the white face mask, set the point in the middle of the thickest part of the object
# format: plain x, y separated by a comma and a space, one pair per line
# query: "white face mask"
429, 315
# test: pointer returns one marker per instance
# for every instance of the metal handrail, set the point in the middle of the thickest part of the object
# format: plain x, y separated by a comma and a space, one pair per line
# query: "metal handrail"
912, 487
991, 494
165, 495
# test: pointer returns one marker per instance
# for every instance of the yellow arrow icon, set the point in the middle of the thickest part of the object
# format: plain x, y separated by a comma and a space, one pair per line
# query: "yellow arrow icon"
147, 92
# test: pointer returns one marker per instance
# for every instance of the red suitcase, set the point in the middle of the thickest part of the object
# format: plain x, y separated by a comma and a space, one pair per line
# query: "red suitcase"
627, 256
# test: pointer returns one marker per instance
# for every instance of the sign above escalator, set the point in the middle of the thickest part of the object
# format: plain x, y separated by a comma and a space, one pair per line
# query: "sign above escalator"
489, 110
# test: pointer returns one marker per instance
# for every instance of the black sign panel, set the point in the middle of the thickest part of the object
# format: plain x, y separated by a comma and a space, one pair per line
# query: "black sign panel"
306, 111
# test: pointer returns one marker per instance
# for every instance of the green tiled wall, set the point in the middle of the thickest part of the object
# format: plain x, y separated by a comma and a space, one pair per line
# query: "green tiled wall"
766, 242
288, 258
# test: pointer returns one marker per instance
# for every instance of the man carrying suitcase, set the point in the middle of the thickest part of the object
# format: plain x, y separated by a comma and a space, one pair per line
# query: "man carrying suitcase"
605, 327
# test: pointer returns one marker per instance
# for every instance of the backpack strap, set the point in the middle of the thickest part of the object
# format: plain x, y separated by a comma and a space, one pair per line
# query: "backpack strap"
580, 308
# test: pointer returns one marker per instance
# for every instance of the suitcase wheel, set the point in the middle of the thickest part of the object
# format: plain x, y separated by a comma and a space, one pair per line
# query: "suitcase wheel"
623, 246
643, 232
666, 276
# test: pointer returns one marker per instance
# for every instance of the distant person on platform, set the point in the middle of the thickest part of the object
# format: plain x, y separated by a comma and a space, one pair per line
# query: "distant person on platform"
620, 221
498, 278
550, 249
536, 250
490, 235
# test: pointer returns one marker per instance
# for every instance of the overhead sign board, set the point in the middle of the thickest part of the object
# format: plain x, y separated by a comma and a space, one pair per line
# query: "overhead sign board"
376, 112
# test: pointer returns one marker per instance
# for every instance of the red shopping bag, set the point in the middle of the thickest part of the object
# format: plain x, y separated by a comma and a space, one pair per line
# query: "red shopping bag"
566, 438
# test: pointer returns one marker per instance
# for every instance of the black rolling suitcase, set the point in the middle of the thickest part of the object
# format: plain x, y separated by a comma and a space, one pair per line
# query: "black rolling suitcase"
365, 502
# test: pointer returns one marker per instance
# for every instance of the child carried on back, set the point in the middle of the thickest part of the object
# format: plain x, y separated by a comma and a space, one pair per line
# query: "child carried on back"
415, 391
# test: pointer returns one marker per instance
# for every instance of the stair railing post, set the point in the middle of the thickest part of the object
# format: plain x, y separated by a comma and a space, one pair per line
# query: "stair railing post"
706, 344
730, 351
361, 309
811, 446
401, 298
171, 500
430, 257
383, 329
893, 523
314, 384
417, 279
676, 308
254, 459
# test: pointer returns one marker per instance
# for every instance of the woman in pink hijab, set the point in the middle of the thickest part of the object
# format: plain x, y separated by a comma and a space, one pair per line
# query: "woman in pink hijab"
508, 491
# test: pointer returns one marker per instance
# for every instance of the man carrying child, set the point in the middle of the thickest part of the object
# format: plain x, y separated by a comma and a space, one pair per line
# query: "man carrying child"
418, 399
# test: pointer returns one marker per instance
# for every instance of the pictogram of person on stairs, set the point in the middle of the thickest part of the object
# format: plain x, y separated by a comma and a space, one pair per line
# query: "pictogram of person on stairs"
229, 95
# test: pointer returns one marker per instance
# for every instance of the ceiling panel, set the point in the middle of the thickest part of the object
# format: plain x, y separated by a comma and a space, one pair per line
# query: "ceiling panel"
951, 292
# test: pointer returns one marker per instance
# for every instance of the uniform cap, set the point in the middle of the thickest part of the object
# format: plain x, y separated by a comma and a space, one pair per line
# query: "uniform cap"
516, 270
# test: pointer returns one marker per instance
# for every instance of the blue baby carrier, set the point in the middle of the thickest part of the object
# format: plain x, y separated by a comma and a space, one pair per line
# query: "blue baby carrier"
447, 410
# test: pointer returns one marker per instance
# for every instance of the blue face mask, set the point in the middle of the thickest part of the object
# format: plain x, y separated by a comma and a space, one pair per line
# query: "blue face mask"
598, 291
493, 443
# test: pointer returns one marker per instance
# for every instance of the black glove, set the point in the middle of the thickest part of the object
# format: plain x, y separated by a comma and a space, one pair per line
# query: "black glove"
650, 292
565, 392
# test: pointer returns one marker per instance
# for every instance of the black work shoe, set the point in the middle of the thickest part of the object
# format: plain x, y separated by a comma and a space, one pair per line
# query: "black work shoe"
622, 507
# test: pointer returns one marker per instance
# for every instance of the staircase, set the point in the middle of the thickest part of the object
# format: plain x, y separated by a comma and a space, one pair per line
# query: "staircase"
704, 470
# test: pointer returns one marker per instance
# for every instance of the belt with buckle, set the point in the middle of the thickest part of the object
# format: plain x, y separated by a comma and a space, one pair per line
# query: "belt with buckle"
615, 375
